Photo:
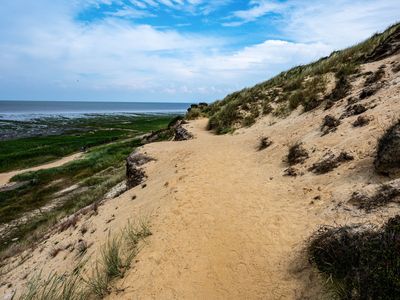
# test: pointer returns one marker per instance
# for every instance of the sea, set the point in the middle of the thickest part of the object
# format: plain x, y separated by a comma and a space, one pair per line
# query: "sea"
29, 110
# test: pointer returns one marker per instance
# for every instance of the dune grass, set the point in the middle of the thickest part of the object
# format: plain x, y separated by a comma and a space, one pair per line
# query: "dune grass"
302, 85
116, 258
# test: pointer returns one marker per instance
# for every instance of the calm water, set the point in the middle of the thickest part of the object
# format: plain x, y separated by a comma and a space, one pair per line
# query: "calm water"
24, 110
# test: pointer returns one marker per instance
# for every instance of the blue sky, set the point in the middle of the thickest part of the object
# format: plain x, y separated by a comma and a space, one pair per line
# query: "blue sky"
169, 50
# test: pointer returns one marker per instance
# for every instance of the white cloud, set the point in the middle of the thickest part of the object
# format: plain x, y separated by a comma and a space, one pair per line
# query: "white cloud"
339, 23
46, 53
258, 8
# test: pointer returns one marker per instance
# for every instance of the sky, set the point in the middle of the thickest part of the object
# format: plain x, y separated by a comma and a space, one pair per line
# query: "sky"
170, 50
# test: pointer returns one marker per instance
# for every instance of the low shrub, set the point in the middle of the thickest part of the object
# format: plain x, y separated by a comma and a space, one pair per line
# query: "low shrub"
264, 143
329, 124
361, 121
374, 77
330, 162
385, 194
361, 263
297, 154
387, 160
248, 121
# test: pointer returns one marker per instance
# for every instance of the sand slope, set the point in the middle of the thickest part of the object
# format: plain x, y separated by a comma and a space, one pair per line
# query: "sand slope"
226, 223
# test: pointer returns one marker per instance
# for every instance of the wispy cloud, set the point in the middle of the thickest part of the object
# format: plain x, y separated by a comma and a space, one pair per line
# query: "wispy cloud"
258, 8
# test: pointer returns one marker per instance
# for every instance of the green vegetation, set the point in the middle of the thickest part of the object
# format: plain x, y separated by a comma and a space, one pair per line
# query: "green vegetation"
116, 259
101, 168
88, 132
302, 85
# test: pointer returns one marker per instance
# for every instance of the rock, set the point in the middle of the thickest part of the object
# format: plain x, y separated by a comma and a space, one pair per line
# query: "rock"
116, 190
387, 160
134, 174
181, 134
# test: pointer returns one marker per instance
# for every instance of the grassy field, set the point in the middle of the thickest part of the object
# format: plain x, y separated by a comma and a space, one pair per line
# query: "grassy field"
101, 168
85, 132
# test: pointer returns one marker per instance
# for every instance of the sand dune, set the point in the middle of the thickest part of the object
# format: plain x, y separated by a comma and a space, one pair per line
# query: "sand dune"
226, 223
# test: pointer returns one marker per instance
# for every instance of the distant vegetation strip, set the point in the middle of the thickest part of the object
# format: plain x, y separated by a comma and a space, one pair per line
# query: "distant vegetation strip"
86, 133
91, 177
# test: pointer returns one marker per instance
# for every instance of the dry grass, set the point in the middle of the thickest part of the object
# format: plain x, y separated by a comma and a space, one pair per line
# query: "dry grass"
116, 258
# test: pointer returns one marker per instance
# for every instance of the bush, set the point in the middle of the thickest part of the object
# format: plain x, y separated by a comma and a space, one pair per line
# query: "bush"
193, 114
374, 77
341, 89
248, 121
266, 108
264, 143
360, 262
296, 99
297, 154
387, 159
223, 121
385, 194
330, 162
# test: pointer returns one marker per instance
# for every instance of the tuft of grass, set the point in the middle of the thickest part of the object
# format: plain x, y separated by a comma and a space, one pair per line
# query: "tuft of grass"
116, 258
248, 121
135, 234
330, 162
60, 287
98, 282
281, 111
112, 258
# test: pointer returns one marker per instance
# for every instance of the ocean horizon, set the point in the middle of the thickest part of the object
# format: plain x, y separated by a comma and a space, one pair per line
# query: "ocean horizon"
26, 110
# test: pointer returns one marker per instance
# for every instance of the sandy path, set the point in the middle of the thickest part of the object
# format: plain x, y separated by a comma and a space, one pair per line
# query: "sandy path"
229, 231
5, 177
